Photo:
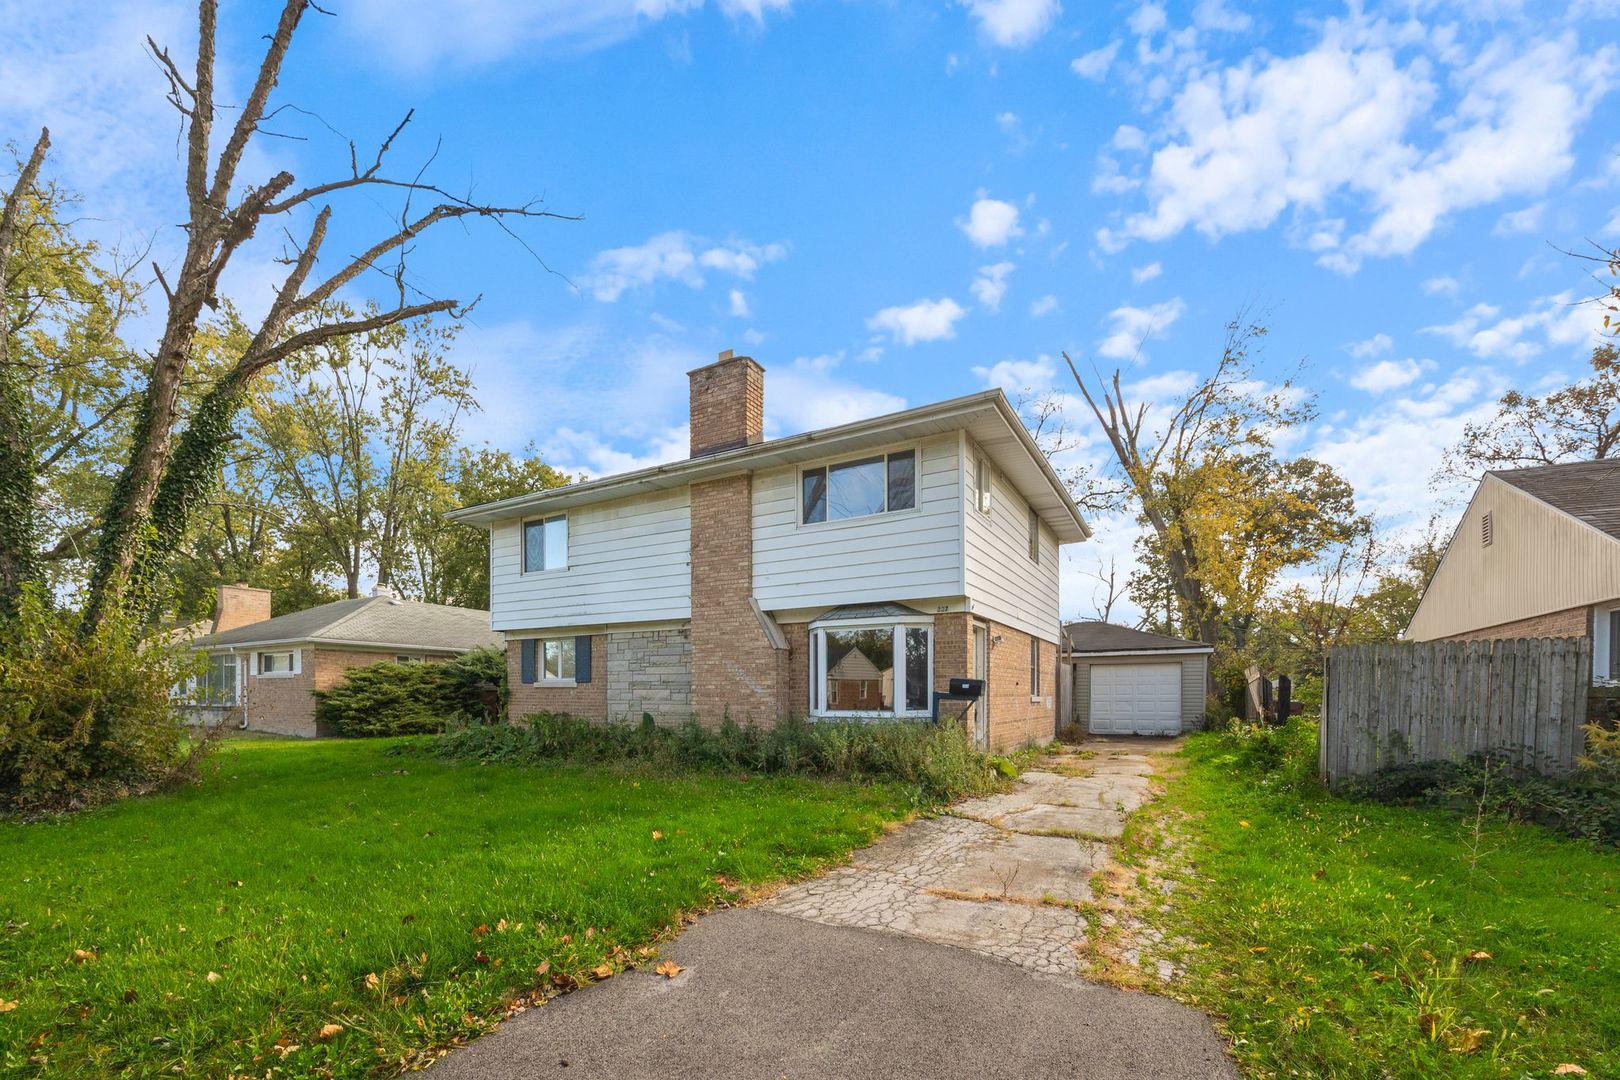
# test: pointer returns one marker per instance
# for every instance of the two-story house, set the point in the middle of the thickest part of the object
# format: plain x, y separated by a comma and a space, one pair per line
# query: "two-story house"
846, 572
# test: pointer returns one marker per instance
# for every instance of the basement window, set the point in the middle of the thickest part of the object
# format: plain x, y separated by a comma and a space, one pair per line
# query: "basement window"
879, 484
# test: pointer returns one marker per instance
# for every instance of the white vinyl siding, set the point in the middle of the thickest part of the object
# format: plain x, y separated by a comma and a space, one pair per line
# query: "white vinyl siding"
628, 561
1002, 581
897, 556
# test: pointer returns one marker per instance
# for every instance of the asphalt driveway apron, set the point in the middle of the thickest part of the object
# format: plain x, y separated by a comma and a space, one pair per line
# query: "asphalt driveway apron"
948, 948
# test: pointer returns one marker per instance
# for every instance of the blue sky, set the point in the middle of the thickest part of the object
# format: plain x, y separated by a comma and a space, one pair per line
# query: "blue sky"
889, 204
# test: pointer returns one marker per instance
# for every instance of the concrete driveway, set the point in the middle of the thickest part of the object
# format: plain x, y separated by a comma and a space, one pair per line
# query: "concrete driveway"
949, 948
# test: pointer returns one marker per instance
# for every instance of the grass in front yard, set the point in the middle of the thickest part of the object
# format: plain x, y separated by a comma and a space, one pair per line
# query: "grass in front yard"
1349, 939
311, 886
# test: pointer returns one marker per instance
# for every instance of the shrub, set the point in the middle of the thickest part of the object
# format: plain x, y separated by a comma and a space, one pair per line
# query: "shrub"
1283, 757
937, 762
476, 683
79, 715
1584, 804
388, 699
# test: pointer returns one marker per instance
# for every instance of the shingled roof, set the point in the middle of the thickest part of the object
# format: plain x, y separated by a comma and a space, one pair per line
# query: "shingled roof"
373, 620
1586, 490
1097, 637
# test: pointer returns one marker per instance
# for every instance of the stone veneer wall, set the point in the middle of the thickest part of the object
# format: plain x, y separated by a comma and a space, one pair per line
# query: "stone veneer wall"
649, 671
1571, 622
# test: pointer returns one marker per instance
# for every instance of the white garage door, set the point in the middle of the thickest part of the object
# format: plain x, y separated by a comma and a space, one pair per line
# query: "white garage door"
1136, 699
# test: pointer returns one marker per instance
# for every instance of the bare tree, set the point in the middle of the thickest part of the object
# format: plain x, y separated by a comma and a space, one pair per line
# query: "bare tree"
170, 470
1108, 591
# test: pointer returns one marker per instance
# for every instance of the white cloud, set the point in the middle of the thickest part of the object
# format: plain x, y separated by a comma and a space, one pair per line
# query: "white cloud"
1094, 65
1388, 375
1560, 321
1129, 138
1353, 118
1215, 15
1129, 328
1518, 222
1142, 274
991, 284
1044, 305
1016, 376
1376, 345
809, 394
1013, 23
991, 222
419, 35
1442, 286
1147, 20
673, 256
739, 304
924, 320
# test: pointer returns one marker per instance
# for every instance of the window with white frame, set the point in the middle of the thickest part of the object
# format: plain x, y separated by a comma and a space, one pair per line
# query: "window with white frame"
217, 685
878, 484
545, 544
557, 659
1034, 667
1034, 535
872, 667
284, 662
978, 469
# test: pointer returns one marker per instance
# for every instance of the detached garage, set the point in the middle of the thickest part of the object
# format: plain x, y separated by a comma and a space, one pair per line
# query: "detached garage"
1129, 682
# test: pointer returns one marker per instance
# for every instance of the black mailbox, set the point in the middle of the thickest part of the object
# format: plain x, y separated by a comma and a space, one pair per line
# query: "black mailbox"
967, 688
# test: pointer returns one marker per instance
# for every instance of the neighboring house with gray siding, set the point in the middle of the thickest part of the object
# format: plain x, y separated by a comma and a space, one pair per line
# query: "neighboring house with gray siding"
845, 572
262, 672
1130, 682
1536, 554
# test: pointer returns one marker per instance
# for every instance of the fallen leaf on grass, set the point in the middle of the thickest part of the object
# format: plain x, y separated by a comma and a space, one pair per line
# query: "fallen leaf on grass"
1259, 949
7, 1006
83, 956
1469, 1041
329, 1032
212, 976
372, 981
1566, 1069
603, 971
657, 835
669, 969
479, 931
1243, 823
1477, 955
542, 967
480, 958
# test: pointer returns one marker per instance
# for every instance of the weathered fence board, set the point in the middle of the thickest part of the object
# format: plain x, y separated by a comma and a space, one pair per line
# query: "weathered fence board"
1440, 700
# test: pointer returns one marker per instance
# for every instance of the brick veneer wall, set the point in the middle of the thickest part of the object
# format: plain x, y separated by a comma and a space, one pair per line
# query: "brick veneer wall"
240, 605
727, 401
797, 681
589, 700
1015, 720
1571, 622
285, 704
736, 671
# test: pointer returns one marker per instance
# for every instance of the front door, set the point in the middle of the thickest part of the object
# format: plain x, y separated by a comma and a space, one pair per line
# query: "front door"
981, 670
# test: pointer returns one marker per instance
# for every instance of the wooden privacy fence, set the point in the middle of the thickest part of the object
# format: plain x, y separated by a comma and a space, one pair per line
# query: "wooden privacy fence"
1441, 700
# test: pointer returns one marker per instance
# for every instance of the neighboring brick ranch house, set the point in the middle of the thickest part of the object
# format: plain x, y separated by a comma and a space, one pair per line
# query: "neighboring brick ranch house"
1536, 554
742, 580
262, 671
1130, 682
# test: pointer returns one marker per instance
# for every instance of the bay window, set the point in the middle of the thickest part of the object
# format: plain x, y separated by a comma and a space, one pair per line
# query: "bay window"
872, 667
879, 484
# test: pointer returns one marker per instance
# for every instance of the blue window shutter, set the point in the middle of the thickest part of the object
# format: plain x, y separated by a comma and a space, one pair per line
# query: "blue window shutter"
527, 646
582, 659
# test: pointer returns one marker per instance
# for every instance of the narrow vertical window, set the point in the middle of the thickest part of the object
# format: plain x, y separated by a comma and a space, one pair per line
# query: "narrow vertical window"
815, 495
1034, 535
903, 480
1034, 667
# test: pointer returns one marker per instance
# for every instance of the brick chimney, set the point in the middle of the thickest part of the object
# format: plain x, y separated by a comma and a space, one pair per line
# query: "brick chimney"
728, 404
240, 605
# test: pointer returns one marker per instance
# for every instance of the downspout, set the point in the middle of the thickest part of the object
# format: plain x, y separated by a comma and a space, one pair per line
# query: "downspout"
241, 690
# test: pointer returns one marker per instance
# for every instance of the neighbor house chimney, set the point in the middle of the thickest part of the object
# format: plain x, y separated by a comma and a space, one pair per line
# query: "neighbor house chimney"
728, 404
240, 605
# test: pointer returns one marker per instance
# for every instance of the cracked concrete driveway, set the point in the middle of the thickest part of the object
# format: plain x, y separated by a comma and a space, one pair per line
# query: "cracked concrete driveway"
948, 948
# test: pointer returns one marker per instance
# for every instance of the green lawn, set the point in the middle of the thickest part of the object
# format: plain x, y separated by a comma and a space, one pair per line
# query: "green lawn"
1346, 939
220, 929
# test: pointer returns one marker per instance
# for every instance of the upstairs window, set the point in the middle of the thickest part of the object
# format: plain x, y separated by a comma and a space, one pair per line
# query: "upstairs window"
979, 481
545, 544
1034, 535
874, 485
